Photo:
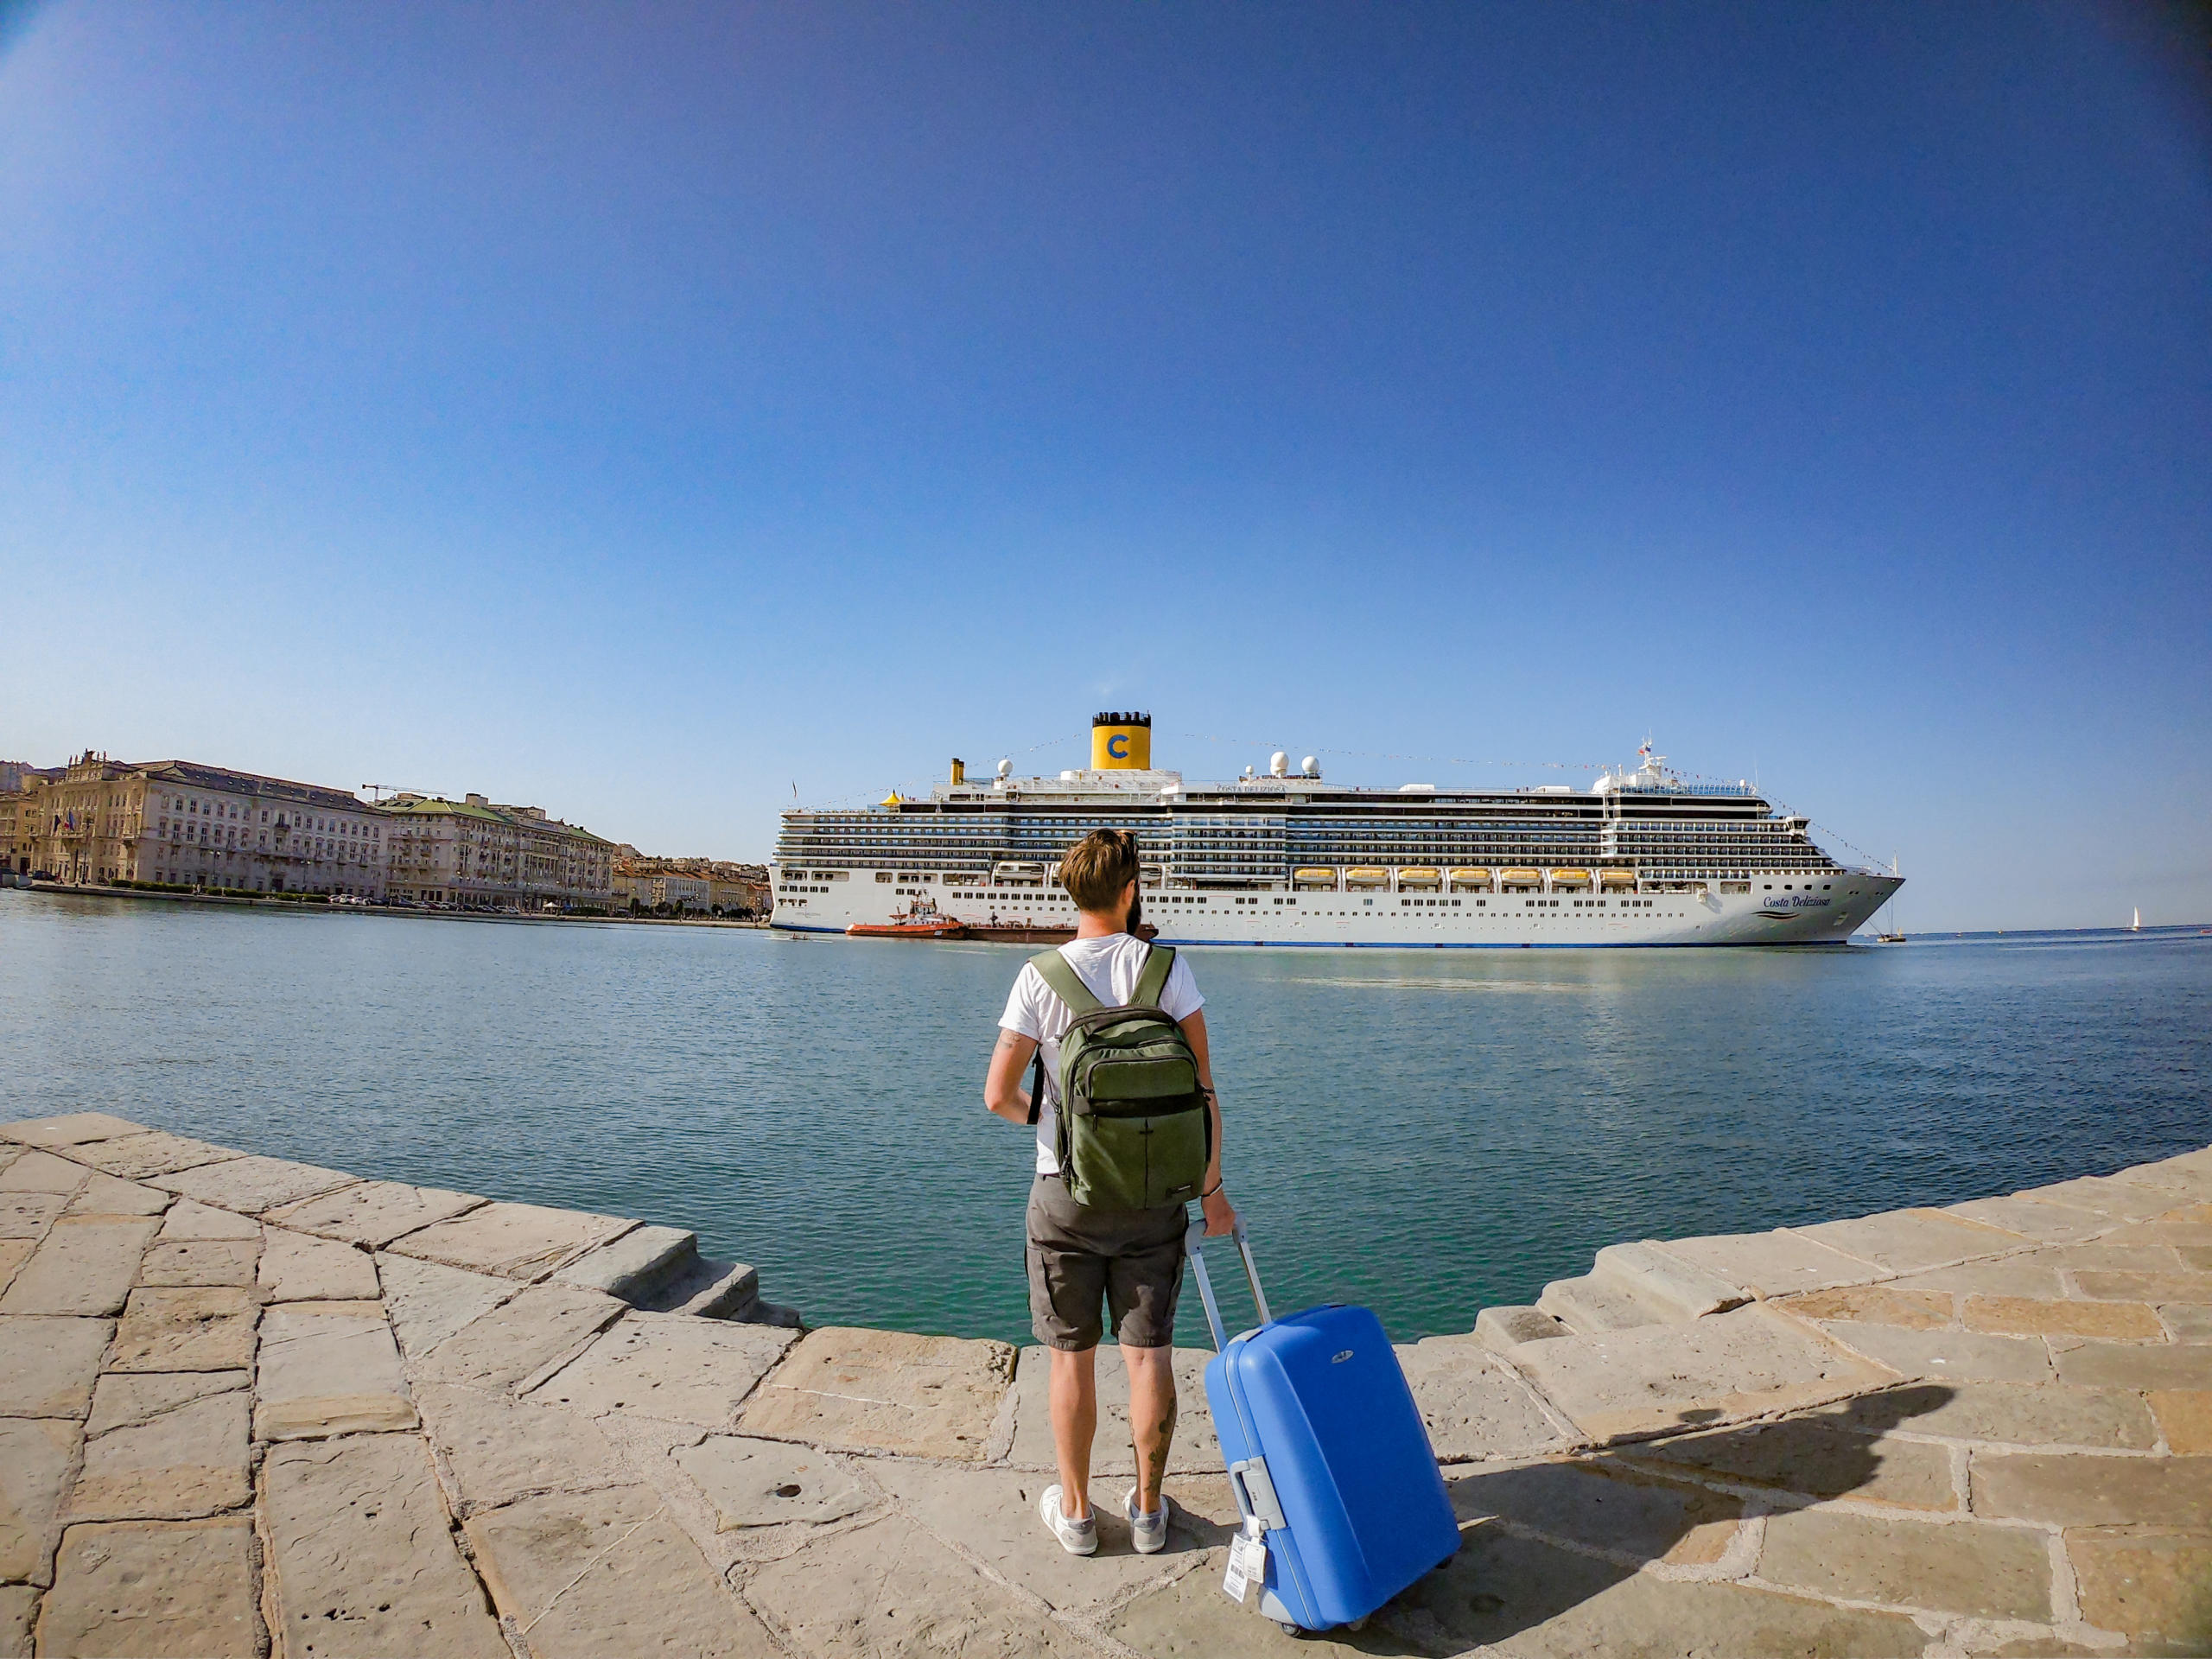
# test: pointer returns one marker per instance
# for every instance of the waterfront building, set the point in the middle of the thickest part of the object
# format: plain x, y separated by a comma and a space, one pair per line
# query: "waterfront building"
186, 823
1640, 857
473, 853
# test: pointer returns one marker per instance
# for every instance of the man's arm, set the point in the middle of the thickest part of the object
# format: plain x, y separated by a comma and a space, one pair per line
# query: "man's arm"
1002, 1090
1220, 1216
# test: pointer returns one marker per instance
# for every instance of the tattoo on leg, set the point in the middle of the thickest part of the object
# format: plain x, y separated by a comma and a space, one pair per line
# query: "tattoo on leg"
1157, 1460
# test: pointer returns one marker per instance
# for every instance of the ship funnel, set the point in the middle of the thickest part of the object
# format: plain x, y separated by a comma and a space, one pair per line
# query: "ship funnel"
959, 770
1121, 742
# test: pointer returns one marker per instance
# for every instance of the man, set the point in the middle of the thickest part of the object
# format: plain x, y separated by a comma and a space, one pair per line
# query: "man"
1133, 1260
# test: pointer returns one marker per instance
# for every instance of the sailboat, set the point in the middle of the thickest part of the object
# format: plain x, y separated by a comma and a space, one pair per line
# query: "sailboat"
2136, 926
1896, 933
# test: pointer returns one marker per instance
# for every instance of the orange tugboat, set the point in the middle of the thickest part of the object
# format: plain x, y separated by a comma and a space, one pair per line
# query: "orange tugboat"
920, 920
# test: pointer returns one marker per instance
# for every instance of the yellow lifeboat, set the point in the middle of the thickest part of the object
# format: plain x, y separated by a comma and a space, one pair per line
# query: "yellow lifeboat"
1315, 875
1623, 879
1570, 878
1468, 879
1367, 877
1419, 876
1521, 878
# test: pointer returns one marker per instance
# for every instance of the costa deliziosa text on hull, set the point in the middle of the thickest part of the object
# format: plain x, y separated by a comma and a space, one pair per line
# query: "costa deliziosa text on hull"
1639, 858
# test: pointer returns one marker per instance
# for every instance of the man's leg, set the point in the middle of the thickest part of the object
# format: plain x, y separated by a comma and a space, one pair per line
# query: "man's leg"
1151, 1417
1075, 1424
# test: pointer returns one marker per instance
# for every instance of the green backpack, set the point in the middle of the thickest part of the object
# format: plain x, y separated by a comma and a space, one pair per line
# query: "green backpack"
1132, 1129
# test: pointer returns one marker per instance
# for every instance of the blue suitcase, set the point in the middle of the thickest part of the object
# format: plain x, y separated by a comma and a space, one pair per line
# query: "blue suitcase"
1327, 1455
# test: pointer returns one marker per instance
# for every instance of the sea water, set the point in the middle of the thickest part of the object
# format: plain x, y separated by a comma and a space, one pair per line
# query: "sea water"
1428, 1132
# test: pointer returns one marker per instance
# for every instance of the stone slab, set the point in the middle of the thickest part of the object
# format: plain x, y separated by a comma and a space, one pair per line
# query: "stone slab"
773, 1483
105, 1195
1959, 1567
373, 1213
297, 1269
18, 1613
2101, 1195
200, 1261
360, 1557
2136, 1365
2177, 1286
42, 1172
671, 1366
1475, 1406
36, 1457
2051, 1223
190, 1460
1909, 1310
991, 1517
47, 1366
183, 1590
1907, 1241
126, 1398
328, 1368
2184, 1321
153, 1151
1193, 1450
2021, 1414
501, 1449
851, 1390
2079, 1489
1602, 1505
1661, 1280
2184, 1418
639, 1257
1745, 1363
2192, 1181
73, 1129
1954, 1356
511, 1241
889, 1587
1843, 1451
2154, 1588
427, 1302
14, 1252
518, 1341
83, 1268
608, 1573
1518, 1597
199, 1329
252, 1185
189, 1219
2020, 1316
1772, 1264
26, 1216
2033, 1274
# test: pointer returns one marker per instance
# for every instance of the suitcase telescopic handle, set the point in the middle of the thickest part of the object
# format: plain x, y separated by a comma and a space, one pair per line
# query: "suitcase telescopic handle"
1194, 1242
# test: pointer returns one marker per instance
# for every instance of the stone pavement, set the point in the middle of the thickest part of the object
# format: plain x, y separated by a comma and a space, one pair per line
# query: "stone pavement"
250, 1407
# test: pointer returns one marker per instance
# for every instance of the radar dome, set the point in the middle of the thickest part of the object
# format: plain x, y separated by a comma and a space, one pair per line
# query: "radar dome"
1005, 768
1310, 766
1278, 764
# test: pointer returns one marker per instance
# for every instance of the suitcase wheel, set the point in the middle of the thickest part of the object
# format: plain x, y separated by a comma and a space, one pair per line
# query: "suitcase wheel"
1359, 1624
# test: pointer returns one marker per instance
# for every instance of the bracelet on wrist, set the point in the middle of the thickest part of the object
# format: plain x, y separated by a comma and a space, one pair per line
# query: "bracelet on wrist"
1210, 1191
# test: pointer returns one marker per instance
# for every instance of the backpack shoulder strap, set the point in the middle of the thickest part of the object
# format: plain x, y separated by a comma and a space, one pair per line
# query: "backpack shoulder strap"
1152, 978
1065, 982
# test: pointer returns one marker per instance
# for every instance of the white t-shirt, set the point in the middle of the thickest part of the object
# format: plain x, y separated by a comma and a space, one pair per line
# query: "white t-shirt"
1108, 966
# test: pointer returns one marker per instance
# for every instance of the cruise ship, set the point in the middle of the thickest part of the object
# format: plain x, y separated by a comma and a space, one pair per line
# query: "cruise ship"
1641, 857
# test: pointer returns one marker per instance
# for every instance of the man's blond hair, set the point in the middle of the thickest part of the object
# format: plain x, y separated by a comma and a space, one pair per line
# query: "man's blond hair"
1098, 867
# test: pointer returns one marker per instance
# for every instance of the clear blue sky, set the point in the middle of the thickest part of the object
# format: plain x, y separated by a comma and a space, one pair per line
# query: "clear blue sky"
643, 410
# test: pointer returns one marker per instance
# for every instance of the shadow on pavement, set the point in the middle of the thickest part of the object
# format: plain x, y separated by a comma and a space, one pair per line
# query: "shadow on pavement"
1596, 1519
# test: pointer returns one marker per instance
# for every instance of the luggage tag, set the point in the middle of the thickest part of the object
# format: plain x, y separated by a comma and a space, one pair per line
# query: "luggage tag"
1248, 1561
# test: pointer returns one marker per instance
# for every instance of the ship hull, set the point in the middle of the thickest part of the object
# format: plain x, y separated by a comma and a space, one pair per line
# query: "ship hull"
1824, 915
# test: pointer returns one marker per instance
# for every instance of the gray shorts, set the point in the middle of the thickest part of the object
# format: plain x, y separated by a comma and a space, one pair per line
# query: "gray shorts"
1131, 1259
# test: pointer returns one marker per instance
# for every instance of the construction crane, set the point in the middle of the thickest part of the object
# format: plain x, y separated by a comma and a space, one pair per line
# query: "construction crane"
391, 789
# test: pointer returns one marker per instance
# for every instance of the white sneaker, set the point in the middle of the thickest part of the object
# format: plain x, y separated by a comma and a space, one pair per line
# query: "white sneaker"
1147, 1532
1077, 1537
